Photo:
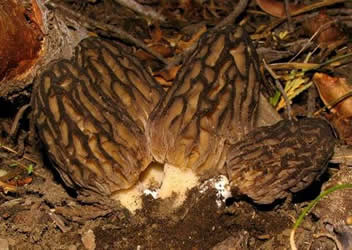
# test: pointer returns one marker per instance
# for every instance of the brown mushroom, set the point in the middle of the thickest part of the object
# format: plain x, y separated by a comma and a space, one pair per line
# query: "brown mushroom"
212, 102
273, 161
90, 113
103, 119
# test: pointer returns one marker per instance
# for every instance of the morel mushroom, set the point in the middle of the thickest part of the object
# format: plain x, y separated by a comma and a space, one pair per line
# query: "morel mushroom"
212, 103
91, 112
103, 120
286, 157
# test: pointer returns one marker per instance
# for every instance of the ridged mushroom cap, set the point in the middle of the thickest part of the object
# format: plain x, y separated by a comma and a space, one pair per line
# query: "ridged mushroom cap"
211, 103
91, 112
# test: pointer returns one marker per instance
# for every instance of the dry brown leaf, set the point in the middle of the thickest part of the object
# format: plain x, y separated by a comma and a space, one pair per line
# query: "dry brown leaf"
331, 89
20, 182
277, 8
343, 128
156, 34
5, 187
163, 49
329, 33
166, 77
187, 44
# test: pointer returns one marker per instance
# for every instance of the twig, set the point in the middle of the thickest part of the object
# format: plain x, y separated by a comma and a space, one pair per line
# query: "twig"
305, 9
89, 23
59, 221
143, 10
334, 103
279, 86
16, 153
312, 95
310, 66
326, 25
230, 19
18, 117
288, 15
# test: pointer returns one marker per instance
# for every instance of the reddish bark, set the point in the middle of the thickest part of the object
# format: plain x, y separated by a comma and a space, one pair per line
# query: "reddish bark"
20, 39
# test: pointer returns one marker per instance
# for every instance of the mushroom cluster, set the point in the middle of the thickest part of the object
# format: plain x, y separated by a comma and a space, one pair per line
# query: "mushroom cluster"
104, 120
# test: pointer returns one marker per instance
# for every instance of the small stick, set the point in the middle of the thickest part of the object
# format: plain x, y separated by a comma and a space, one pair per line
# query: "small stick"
143, 10
288, 15
312, 95
18, 117
89, 23
305, 9
281, 89
16, 153
230, 19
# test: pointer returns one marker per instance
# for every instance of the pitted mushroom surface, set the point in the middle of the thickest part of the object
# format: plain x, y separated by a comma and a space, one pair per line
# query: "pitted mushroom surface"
211, 104
91, 114
272, 161
103, 119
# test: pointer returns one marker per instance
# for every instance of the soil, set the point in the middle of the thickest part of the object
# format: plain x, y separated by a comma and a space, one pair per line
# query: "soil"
43, 215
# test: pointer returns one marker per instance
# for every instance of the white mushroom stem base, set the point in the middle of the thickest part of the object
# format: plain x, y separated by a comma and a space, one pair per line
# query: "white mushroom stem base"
169, 182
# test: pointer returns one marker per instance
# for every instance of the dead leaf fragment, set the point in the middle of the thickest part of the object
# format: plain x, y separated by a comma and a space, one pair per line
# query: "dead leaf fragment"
277, 8
195, 37
327, 28
332, 89
157, 43
21, 182
166, 76
5, 187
